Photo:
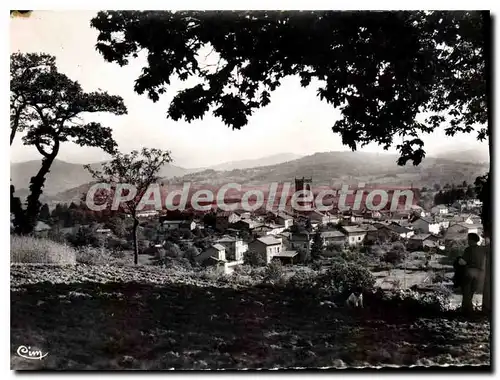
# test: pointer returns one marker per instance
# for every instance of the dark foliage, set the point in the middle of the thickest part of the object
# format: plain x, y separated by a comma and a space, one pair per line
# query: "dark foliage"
86, 236
380, 68
343, 279
45, 104
254, 259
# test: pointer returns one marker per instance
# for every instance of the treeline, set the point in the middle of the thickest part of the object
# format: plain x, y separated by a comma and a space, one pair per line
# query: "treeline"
64, 215
451, 194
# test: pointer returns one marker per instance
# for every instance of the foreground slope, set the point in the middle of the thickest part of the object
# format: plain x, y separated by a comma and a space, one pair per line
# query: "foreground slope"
145, 318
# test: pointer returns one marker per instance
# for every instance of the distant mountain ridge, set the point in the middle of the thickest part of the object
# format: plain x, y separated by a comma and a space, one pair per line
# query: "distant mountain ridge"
345, 167
65, 175
467, 155
324, 168
257, 162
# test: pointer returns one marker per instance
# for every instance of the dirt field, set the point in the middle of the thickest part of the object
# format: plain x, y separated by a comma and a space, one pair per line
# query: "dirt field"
145, 318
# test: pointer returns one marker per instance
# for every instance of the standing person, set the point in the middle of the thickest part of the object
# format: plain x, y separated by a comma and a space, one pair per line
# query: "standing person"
474, 259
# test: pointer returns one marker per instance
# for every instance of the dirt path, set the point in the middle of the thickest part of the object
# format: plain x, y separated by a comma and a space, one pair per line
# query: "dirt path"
156, 322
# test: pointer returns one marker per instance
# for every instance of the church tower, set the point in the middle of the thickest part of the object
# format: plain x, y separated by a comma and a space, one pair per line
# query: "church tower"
304, 184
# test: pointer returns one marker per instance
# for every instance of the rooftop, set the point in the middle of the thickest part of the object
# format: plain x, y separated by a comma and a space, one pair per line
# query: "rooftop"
354, 229
441, 206
398, 229
269, 240
286, 254
173, 221
470, 226
227, 239
42, 226
426, 220
331, 234
420, 236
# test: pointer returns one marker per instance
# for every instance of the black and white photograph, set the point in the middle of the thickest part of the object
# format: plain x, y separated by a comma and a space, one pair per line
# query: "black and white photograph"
207, 190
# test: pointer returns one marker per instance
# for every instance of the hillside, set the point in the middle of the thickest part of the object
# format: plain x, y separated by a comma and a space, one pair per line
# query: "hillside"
324, 168
65, 175
347, 167
258, 162
468, 155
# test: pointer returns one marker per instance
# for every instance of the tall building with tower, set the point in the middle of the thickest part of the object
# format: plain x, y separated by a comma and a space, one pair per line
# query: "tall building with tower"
304, 184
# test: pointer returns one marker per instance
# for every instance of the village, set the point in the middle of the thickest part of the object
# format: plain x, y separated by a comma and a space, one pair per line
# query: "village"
228, 239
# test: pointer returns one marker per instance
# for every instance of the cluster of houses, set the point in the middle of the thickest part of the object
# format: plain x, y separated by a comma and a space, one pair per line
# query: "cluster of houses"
284, 235
273, 235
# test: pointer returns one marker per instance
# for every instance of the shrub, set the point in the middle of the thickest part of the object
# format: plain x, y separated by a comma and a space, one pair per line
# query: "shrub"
85, 236
254, 259
173, 250
337, 248
274, 273
303, 278
213, 274
411, 301
119, 244
56, 235
176, 264
439, 277
453, 249
396, 284
118, 253
377, 250
346, 278
257, 274
27, 249
396, 255
93, 256
191, 253
244, 270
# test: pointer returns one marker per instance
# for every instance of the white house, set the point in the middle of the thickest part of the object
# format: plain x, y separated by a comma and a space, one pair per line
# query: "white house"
283, 218
216, 253
333, 238
426, 225
267, 246
235, 247
439, 210
355, 234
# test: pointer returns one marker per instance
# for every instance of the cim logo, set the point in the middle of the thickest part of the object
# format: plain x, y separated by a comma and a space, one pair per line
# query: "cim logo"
28, 353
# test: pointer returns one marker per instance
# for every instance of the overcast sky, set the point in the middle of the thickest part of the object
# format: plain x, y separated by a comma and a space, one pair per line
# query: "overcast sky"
296, 120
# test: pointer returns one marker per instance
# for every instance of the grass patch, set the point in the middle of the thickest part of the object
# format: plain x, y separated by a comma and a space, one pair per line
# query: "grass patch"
32, 250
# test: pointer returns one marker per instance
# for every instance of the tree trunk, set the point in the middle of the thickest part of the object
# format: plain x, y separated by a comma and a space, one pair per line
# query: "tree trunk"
136, 247
16, 209
36, 190
15, 123
487, 198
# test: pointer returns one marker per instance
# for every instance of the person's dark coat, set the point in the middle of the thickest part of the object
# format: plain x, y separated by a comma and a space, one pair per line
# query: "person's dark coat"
459, 276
